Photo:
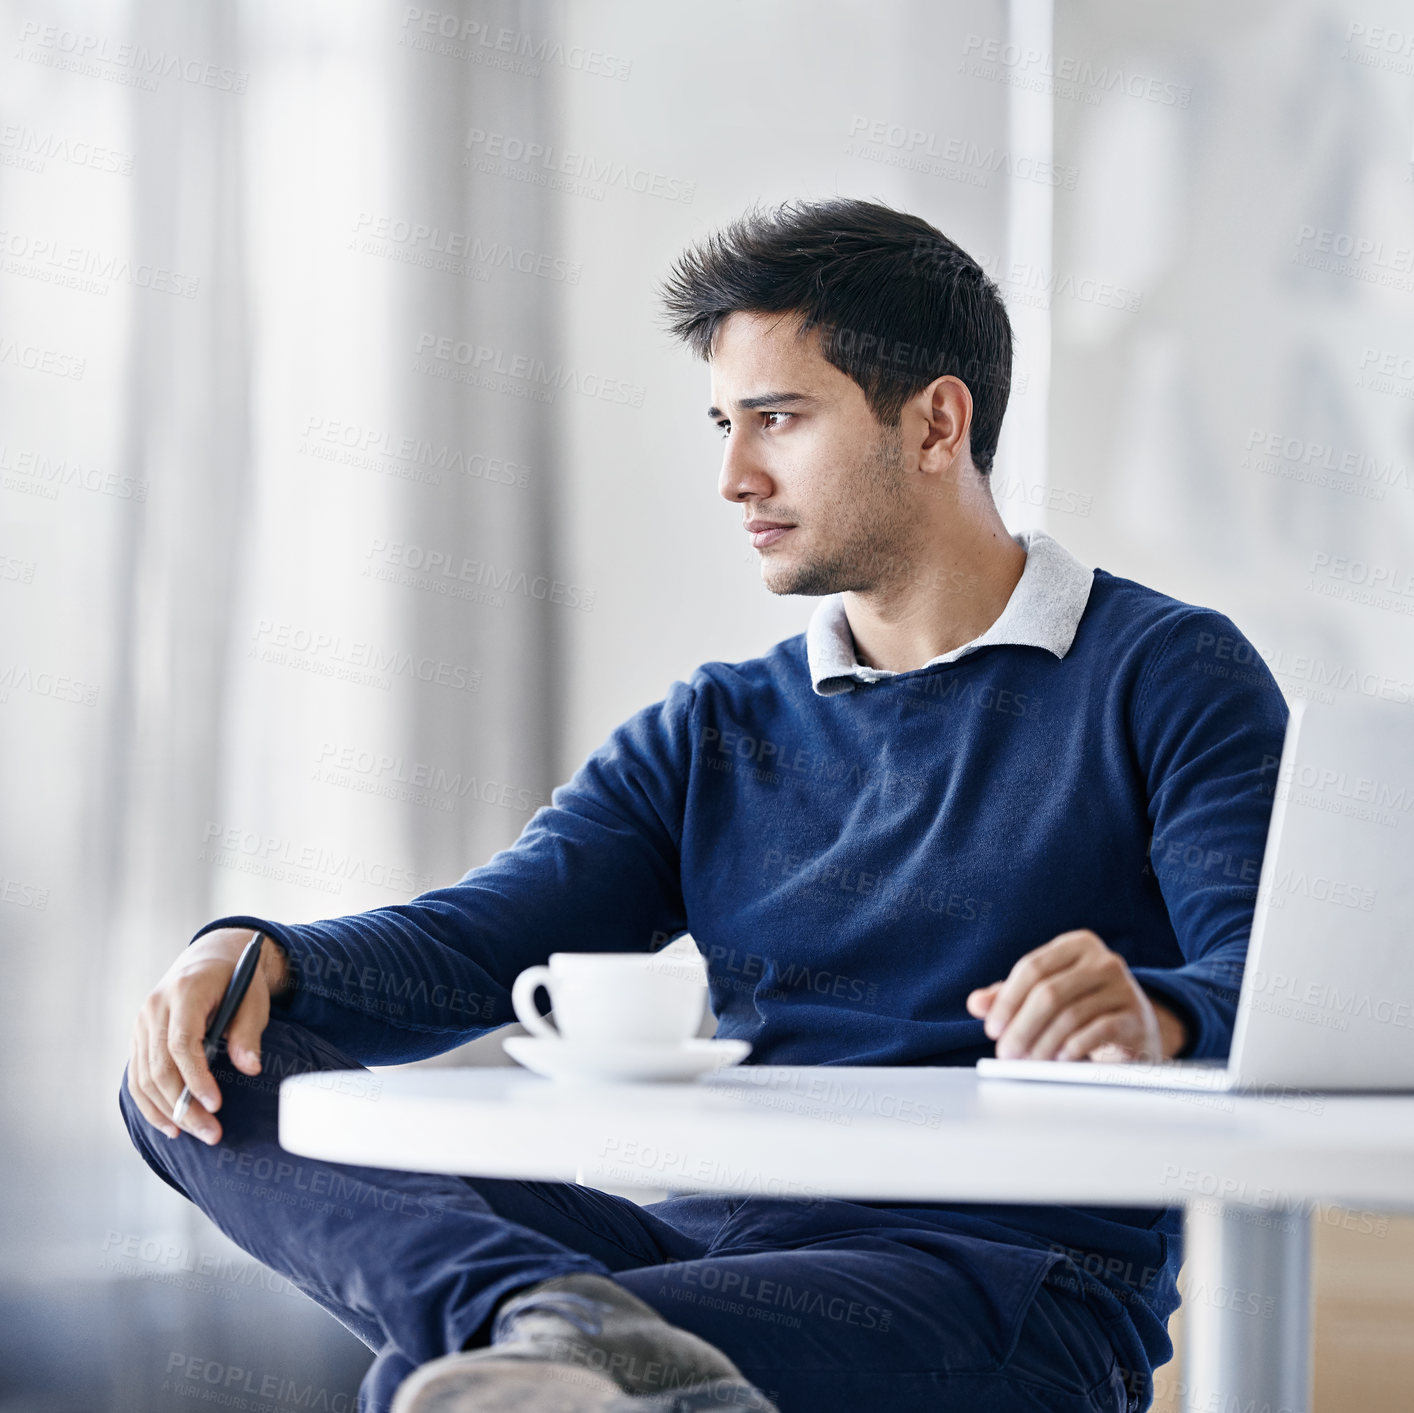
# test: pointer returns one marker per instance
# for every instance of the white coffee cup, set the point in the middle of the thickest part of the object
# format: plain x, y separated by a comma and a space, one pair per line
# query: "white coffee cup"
613, 998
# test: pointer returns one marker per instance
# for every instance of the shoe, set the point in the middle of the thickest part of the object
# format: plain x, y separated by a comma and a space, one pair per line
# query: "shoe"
582, 1344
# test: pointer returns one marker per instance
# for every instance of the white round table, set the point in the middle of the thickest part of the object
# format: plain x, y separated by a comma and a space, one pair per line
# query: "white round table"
1249, 1171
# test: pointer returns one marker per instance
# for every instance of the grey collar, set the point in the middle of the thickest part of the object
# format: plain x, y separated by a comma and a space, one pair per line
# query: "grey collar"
1043, 612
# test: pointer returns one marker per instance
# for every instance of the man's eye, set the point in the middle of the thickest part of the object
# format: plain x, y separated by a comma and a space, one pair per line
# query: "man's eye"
725, 427
775, 414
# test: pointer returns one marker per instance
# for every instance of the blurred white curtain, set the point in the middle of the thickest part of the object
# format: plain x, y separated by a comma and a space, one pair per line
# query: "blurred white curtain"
270, 729
349, 489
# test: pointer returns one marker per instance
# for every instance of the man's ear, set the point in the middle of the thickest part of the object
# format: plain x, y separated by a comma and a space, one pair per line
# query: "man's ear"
946, 406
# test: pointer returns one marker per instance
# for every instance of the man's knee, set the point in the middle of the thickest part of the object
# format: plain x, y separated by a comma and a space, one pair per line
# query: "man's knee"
249, 1103
145, 1138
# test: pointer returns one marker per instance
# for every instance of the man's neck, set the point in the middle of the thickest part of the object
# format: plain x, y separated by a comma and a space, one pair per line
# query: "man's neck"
948, 596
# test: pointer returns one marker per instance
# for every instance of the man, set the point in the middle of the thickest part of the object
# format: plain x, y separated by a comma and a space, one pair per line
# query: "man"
957, 813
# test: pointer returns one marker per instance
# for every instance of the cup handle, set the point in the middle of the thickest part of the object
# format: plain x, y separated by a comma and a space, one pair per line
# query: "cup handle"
523, 1000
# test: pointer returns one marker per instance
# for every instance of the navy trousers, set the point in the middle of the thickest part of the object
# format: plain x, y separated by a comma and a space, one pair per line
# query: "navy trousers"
828, 1307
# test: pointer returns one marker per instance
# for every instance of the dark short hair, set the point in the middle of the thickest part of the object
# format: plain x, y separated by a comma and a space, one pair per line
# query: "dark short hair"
897, 304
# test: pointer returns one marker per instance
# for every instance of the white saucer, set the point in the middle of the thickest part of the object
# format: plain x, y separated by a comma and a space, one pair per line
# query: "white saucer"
564, 1059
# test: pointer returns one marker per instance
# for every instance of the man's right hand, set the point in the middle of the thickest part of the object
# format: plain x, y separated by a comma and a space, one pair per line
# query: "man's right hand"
167, 1048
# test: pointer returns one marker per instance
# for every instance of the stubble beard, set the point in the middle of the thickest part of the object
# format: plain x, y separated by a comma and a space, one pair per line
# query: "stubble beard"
875, 539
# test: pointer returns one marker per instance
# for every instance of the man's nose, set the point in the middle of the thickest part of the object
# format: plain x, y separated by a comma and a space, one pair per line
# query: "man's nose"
741, 476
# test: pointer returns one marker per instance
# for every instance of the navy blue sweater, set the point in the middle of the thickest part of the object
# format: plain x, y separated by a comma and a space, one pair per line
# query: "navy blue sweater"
851, 866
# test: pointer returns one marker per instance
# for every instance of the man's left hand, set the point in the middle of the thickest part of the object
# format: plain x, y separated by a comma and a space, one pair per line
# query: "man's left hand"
1075, 999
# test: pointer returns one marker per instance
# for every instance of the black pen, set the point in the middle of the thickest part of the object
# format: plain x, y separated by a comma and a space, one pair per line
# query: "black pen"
224, 1014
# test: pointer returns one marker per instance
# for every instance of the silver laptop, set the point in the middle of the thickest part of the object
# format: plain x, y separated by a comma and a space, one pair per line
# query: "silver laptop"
1327, 999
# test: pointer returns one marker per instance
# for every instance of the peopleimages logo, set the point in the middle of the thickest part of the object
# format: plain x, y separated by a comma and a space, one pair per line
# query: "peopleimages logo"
1380, 47
1064, 75
134, 65
455, 252
231, 1386
1322, 464
543, 164
1387, 372
35, 473
1369, 259
1304, 675
444, 571
23, 147
464, 361
316, 865
1399, 578
38, 359
330, 655
458, 37
23, 895
1039, 285
379, 772
1339, 892
20, 677
955, 158
91, 271
405, 456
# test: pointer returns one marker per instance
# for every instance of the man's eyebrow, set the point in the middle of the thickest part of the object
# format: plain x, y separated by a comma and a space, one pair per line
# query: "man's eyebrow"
771, 399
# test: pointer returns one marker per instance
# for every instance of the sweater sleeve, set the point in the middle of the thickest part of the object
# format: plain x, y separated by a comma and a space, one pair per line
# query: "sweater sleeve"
1207, 725
596, 870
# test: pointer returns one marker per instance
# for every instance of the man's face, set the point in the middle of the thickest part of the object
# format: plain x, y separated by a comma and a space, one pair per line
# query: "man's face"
805, 454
